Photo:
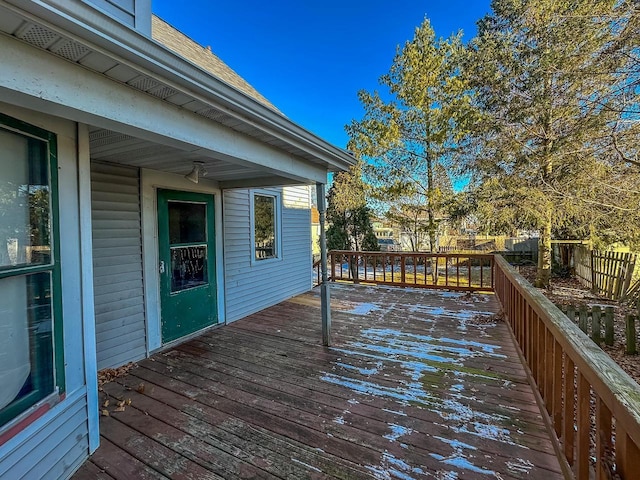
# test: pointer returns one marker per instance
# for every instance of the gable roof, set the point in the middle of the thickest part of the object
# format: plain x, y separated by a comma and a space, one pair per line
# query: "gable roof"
202, 57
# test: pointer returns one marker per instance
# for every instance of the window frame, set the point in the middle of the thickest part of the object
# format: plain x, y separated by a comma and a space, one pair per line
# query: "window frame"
27, 409
277, 197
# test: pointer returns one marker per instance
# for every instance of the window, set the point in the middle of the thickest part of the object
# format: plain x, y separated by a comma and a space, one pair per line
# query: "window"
31, 363
265, 226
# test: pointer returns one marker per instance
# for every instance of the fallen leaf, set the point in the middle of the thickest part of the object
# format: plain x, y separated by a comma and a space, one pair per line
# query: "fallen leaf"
106, 403
105, 413
140, 388
119, 409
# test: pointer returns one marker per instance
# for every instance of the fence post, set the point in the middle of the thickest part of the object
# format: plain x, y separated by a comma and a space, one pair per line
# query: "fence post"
608, 326
595, 325
630, 330
582, 318
594, 289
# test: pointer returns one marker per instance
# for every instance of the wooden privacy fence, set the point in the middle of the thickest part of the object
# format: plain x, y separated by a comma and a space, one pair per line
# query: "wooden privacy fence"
514, 257
453, 271
607, 273
593, 405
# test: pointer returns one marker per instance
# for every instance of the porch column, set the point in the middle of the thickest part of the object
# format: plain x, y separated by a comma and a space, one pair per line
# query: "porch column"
325, 293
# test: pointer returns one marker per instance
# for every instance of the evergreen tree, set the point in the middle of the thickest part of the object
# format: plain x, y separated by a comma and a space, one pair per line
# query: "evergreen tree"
556, 82
348, 216
410, 140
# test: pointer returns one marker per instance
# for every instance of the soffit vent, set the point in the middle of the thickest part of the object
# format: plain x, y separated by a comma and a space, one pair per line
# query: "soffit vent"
70, 50
162, 91
143, 83
106, 137
214, 114
37, 35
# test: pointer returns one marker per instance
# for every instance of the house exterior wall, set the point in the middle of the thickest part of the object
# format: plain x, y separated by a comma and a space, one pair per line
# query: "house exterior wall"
117, 264
253, 286
55, 444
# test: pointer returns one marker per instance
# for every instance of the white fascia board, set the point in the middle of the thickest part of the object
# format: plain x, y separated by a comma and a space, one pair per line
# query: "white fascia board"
130, 46
34, 79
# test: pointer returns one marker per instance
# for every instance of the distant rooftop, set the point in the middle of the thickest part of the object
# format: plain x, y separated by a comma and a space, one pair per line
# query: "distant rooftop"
203, 57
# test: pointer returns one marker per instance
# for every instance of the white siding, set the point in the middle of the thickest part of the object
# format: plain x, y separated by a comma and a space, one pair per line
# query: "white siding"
117, 265
250, 288
36, 459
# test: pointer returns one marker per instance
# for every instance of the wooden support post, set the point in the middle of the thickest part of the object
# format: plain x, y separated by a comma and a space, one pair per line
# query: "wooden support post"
608, 326
630, 331
603, 441
596, 326
556, 414
571, 313
541, 367
583, 421
568, 417
582, 318
627, 455
325, 292
549, 373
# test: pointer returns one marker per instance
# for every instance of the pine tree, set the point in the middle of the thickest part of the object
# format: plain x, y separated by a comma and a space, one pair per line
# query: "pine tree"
349, 218
554, 82
410, 140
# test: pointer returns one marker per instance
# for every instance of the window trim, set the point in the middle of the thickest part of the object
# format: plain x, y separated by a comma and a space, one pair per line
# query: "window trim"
20, 415
277, 196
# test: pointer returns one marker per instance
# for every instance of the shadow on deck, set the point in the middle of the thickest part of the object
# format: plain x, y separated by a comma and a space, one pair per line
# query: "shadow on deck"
418, 384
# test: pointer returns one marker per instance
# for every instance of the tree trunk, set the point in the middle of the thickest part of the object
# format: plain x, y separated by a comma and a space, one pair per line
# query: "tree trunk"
544, 254
544, 244
431, 227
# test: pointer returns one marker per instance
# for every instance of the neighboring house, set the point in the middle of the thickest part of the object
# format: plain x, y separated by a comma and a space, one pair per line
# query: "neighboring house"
109, 248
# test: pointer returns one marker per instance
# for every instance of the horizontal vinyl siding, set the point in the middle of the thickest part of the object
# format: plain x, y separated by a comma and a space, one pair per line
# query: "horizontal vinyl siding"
55, 450
123, 10
117, 265
251, 288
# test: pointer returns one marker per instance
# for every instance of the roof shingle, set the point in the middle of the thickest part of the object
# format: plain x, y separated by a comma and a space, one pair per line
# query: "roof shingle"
202, 57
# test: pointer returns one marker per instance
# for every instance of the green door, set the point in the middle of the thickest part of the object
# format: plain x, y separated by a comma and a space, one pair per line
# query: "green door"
186, 244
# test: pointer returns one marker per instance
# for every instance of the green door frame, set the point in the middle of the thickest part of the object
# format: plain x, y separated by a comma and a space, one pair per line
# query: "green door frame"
186, 309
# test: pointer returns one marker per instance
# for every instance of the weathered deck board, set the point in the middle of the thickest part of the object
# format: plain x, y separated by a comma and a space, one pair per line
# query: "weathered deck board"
413, 387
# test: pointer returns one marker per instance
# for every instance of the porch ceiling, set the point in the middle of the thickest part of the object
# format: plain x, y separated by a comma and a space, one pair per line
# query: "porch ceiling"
114, 147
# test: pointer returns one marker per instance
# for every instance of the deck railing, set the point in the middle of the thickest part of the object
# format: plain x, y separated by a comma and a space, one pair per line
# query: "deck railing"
593, 405
453, 271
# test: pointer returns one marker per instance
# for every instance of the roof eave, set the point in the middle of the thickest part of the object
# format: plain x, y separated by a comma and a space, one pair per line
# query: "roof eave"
114, 38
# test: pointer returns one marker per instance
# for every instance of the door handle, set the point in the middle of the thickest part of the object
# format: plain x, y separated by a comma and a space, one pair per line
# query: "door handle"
161, 266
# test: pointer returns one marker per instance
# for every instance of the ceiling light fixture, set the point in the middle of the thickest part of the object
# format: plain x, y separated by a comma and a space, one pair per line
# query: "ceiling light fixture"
197, 172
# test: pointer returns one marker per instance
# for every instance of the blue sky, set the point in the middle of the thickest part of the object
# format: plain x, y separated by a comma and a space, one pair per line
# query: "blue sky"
310, 58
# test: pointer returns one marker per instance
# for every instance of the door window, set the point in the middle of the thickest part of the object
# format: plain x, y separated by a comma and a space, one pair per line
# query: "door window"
188, 245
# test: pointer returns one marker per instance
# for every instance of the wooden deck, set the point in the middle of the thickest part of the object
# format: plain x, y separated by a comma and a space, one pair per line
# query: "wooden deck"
419, 384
